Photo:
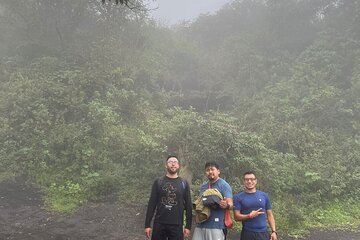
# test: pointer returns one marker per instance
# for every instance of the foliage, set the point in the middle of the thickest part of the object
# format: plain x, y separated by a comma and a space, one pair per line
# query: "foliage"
65, 198
93, 96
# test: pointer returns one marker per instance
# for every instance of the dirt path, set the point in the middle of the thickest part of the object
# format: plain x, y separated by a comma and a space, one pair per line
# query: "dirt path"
23, 217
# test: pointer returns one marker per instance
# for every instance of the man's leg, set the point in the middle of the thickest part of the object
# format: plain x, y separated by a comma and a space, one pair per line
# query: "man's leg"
208, 234
159, 232
262, 236
214, 234
199, 234
174, 232
246, 235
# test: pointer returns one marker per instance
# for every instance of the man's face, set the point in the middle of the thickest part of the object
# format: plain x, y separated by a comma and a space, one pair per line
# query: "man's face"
172, 165
212, 173
250, 181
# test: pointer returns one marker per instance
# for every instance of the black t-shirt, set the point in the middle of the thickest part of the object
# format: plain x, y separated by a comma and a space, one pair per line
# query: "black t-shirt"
169, 198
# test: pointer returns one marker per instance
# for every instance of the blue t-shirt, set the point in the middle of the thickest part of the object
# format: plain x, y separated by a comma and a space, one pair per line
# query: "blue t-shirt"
246, 202
216, 219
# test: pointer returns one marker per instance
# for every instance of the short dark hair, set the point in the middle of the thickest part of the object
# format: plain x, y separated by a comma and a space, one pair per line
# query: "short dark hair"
172, 156
212, 164
249, 172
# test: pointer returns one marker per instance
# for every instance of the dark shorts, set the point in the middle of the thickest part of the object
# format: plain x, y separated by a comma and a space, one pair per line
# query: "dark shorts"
167, 232
245, 235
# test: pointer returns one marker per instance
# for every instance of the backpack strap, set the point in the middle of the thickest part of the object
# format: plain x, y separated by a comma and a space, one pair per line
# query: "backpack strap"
183, 183
159, 181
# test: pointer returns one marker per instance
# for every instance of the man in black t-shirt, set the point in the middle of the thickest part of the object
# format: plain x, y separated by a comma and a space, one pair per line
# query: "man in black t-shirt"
170, 196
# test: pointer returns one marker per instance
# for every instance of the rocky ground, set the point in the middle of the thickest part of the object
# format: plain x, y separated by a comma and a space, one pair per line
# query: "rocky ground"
23, 216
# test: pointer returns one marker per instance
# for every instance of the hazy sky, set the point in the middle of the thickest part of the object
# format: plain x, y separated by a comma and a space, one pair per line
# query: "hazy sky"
173, 11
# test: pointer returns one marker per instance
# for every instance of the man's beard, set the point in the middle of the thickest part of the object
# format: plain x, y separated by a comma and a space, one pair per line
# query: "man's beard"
250, 188
169, 170
211, 178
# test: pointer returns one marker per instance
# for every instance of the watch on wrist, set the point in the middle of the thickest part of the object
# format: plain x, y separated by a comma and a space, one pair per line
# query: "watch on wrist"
273, 232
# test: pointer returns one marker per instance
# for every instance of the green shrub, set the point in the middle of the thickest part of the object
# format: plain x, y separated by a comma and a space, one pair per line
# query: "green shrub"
65, 197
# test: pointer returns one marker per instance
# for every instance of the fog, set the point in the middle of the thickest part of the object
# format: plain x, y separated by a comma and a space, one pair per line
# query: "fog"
94, 96
174, 11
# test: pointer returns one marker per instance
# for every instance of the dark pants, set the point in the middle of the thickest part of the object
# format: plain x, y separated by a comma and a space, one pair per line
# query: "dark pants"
167, 232
245, 235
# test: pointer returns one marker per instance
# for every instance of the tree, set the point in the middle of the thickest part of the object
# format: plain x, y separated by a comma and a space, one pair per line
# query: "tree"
131, 4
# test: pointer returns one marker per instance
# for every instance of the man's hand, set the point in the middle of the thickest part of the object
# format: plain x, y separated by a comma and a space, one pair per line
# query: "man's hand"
223, 204
255, 213
273, 236
148, 232
187, 232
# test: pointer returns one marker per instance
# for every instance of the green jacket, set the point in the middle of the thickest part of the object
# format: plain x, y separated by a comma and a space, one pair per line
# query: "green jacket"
202, 213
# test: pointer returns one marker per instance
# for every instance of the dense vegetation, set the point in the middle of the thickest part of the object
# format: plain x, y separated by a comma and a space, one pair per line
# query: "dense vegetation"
94, 95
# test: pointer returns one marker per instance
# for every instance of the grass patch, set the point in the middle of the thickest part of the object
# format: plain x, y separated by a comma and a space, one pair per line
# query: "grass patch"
63, 205
296, 220
336, 215
4, 176
64, 198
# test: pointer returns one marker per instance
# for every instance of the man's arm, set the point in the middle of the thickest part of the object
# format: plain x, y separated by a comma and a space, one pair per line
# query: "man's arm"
227, 202
271, 220
243, 217
151, 205
238, 216
188, 209
230, 203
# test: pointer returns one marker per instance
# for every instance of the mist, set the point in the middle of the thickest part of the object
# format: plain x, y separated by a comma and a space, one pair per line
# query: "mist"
95, 95
172, 12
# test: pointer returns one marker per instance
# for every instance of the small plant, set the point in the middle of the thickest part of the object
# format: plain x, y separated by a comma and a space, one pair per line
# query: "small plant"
65, 197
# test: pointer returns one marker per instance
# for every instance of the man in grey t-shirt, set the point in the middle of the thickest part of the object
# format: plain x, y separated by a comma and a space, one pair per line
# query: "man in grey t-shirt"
213, 228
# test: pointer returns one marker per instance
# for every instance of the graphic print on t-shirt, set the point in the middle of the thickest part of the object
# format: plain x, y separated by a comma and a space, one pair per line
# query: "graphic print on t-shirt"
170, 199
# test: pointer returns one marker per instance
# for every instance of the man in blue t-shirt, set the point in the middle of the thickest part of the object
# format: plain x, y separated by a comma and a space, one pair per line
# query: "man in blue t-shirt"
213, 227
253, 207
